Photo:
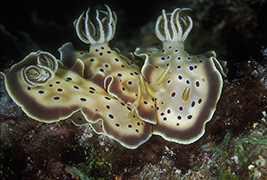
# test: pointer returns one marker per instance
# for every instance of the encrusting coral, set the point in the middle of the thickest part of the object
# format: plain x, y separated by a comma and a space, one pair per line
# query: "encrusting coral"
172, 95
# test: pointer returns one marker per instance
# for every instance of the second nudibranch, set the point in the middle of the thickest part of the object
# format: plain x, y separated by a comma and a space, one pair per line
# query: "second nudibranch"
186, 87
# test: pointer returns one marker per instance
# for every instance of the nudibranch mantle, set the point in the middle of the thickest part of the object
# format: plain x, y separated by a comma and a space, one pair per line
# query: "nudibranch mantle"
172, 95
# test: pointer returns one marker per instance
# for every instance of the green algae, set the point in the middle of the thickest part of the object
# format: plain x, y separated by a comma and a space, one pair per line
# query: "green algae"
222, 149
227, 175
235, 148
95, 167
239, 148
77, 172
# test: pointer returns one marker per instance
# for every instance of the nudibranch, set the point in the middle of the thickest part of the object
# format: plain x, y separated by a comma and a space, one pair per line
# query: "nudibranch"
186, 87
173, 95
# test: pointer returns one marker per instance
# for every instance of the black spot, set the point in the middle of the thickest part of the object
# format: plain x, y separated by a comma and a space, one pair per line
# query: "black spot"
195, 66
56, 98
188, 59
138, 123
164, 119
59, 90
102, 47
123, 104
92, 60
29, 88
180, 77
76, 87
168, 111
92, 88
137, 130
117, 60
162, 114
131, 74
197, 84
122, 66
179, 117
108, 52
110, 116
83, 99
162, 58
106, 66
179, 67
170, 47
92, 92
163, 50
136, 73
117, 124
179, 58
199, 101
146, 103
173, 94
123, 88
41, 92
50, 85
107, 98
57, 82
101, 54
191, 68
107, 106
101, 70
96, 50
119, 75
189, 117
193, 103
181, 108
130, 82
129, 108
130, 126
187, 82
176, 50
80, 119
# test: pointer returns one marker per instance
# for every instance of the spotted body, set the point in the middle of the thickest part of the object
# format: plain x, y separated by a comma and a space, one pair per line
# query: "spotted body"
172, 95
184, 86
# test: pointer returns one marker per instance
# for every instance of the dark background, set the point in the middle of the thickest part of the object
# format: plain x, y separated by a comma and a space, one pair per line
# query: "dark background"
236, 30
